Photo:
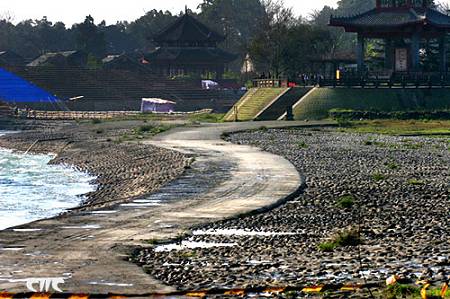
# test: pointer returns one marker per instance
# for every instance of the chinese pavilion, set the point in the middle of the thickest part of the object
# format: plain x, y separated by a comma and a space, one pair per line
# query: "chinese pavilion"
403, 24
189, 47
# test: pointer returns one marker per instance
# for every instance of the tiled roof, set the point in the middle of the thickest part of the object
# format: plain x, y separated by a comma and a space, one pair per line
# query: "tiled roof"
393, 18
191, 55
188, 29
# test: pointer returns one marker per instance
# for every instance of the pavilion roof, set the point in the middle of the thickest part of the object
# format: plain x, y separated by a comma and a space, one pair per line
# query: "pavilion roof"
392, 18
188, 29
191, 55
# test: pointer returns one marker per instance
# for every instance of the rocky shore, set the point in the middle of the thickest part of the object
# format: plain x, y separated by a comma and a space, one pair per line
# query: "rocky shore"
374, 206
124, 170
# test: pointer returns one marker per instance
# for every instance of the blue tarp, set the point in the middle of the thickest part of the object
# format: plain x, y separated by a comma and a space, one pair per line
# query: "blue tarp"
14, 89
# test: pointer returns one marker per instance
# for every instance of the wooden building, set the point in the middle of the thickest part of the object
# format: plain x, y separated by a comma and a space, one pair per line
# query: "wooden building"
403, 25
188, 47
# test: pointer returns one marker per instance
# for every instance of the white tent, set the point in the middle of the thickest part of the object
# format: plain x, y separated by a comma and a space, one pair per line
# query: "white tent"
157, 105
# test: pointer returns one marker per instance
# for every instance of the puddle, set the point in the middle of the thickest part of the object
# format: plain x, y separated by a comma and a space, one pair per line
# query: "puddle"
191, 245
103, 212
111, 284
27, 229
93, 226
11, 248
139, 205
239, 232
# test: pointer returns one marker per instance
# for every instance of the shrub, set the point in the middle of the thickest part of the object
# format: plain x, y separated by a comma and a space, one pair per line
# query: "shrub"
392, 165
348, 238
415, 182
327, 246
378, 177
344, 238
346, 201
96, 121
302, 144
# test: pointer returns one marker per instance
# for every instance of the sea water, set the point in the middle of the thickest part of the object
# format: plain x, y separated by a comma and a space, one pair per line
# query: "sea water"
30, 189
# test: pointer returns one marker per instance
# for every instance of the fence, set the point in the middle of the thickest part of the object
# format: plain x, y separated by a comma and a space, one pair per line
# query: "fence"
101, 115
397, 80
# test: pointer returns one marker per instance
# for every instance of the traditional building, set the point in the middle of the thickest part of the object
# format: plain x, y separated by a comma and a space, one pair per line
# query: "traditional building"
189, 47
403, 24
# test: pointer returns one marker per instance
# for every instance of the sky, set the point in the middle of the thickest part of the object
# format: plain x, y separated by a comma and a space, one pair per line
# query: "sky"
114, 10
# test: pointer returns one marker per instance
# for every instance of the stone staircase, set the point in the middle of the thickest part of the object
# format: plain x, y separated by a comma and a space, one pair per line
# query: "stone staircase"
279, 107
253, 102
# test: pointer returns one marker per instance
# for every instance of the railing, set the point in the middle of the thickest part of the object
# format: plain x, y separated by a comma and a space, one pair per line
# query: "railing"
270, 83
402, 80
101, 115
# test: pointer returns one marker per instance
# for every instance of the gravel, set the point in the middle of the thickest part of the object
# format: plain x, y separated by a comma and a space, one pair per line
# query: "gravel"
400, 191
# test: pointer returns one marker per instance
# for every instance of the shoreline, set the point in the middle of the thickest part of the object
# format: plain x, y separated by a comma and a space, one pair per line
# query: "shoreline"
33, 189
122, 170
94, 246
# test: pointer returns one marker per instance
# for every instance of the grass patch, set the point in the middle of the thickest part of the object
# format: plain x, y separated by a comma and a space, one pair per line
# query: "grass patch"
151, 129
327, 246
207, 118
344, 238
302, 144
392, 165
401, 291
346, 202
416, 182
96, 121
401, 127
378, 177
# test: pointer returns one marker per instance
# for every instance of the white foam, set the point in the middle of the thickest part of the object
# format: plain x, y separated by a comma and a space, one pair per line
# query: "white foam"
191, 245
239, 232
31, 189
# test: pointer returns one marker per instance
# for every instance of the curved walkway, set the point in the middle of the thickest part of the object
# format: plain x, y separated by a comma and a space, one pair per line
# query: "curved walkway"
89, 249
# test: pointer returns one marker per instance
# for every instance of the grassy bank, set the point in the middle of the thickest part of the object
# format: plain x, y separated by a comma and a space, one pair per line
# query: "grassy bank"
399, 127
318, 103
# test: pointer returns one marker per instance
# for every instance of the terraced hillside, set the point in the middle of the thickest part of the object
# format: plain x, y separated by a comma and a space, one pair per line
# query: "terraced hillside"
317, 104
123, 90
253, 102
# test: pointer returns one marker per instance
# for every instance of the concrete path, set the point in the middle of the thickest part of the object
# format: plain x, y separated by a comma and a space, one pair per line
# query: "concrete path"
89, 249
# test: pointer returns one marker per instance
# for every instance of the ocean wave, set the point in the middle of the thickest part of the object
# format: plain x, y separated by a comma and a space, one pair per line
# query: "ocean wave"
31, 189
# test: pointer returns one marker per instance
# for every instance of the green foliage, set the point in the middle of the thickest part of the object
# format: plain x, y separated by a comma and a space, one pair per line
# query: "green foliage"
401, 291
93, 62
96, 121
378, 177
416, 182
348, 238
151, 129
346, 201
302, 144
343, 238
89, 39
392, 165
327, 246
207, 118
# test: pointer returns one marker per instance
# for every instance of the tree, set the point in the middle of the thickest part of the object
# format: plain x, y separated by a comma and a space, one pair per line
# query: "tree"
238, 20
303, 43
143, 29
89, 38
266, 48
